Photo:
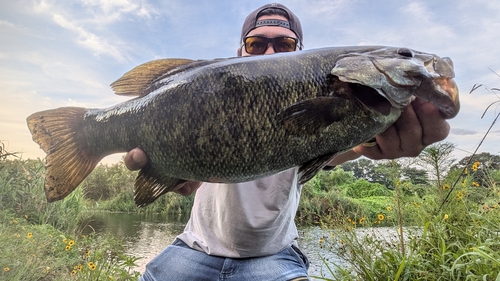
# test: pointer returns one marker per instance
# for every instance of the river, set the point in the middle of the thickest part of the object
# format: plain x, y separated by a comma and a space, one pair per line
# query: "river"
146, 236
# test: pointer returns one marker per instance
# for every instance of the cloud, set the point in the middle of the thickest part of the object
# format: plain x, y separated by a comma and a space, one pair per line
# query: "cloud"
457, 131
114, 10
91, 41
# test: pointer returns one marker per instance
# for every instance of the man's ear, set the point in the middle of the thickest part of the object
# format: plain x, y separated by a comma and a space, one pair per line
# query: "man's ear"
238, 52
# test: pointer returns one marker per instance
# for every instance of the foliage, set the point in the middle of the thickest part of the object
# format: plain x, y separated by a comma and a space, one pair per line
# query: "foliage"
21, 190
362, 189
375, 171
41, 252
40, 240
483, 164
106, 182
457, 242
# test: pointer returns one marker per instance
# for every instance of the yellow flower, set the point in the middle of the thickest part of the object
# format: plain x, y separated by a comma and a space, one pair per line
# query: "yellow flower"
68, 248
91, 266
446, 186
475, 166
389, 208
361, 220
466, 171
80, 267
87, 254
445, 216
47, 269
475, 184
320, 240
380, 217
65, 240
73, 272
71, 242
6, 269
29, 235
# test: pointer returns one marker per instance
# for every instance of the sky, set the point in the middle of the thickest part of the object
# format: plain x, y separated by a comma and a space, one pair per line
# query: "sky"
67, 53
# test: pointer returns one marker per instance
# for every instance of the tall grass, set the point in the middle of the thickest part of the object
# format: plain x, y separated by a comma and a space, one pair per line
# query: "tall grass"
458, 242
41, 241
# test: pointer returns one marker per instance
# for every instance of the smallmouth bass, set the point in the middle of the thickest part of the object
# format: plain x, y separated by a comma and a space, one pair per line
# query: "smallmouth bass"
238, 119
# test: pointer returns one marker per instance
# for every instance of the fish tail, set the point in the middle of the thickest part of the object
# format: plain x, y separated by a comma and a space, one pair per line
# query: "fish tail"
68, 161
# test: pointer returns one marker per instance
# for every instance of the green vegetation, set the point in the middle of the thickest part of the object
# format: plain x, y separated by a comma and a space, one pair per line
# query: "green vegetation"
41, 241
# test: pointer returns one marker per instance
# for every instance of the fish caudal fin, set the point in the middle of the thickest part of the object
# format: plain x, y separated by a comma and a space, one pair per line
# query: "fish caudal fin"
149, 185
68, 162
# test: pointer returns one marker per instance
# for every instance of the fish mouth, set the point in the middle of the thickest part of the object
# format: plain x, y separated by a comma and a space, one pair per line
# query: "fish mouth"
371, 98
449, 104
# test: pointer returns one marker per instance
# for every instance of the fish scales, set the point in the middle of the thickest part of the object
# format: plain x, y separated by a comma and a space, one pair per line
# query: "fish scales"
239, 119
229, 112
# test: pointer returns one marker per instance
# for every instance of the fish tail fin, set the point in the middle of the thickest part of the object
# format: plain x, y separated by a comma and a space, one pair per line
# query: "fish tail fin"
68, 160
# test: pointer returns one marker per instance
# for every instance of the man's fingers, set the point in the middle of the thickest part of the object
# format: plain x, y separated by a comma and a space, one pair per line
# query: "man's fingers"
136, 159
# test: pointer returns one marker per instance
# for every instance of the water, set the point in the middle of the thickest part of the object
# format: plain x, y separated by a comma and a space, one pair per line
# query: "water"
146, 236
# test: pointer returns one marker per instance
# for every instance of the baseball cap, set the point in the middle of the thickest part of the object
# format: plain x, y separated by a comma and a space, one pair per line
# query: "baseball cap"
293, 22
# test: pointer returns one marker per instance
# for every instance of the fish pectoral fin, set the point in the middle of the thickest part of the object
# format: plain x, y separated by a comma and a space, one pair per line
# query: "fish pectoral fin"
312, 115
149, 185
309, 169
135, 81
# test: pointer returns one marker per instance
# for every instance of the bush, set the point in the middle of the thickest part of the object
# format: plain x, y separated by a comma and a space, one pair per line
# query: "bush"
363, 188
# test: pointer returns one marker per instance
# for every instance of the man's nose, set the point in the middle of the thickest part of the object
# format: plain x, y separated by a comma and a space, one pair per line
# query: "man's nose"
270, 49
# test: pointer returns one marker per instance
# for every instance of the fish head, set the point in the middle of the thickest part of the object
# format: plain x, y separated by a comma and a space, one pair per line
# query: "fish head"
401, 74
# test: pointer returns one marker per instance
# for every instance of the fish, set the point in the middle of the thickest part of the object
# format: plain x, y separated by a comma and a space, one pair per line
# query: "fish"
238, 119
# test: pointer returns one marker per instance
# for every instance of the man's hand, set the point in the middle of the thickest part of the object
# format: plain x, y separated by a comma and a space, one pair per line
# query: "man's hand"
420, 125
137, 159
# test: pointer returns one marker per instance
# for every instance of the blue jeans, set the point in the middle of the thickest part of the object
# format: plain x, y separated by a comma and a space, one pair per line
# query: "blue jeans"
179, 262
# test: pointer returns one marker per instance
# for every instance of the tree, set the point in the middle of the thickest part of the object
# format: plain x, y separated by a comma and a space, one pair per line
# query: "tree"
438, 157
486, 163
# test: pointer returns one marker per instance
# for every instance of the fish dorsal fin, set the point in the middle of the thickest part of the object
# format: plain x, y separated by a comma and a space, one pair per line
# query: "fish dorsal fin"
149, 185
136, 80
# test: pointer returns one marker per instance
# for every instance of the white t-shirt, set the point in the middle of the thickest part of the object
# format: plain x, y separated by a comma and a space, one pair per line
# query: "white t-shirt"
249, 219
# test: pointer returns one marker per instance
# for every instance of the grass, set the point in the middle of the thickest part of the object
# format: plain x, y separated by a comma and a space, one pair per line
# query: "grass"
41, 241
41, 252
459, 240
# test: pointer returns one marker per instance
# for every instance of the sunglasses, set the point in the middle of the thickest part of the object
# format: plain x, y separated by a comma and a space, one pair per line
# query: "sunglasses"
257, 45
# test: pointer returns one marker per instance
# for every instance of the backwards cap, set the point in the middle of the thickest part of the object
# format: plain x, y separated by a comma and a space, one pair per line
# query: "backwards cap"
293, 22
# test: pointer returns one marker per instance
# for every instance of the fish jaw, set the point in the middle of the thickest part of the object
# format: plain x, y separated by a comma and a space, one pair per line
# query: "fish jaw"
401, 74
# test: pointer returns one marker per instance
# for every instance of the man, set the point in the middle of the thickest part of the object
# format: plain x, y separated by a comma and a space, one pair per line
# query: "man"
246, 231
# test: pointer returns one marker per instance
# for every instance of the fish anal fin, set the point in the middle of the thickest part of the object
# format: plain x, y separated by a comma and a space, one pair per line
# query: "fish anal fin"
136, 80
309, 169
68, 162
149, 185
312, 115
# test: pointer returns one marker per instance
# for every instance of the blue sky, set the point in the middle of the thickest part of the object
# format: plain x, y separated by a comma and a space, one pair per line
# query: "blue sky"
66, 53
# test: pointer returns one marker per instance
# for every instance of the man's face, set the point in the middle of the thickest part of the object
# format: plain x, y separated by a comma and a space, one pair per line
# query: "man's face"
269, 32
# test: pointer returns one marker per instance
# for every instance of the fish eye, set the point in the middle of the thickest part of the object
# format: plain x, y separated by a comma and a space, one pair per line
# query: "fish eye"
406, 52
